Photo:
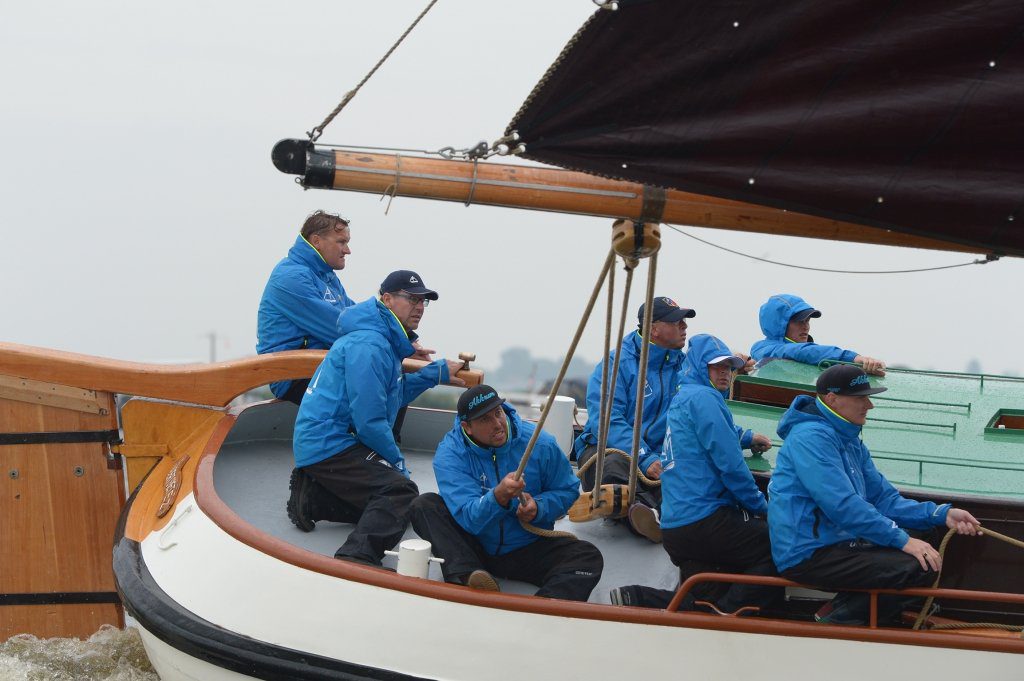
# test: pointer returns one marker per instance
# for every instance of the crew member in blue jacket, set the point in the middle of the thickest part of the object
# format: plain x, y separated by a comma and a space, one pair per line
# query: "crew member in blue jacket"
343, 436
711, 510
303, 297
474, 524
786, 324
835, 521
664, 359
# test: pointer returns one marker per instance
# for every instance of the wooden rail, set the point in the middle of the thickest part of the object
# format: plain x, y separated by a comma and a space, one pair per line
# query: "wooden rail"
213, 384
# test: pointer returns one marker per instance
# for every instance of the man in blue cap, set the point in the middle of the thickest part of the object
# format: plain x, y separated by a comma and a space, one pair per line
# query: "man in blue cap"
835, 521
786, 324
475, 522
344, 438
664, 359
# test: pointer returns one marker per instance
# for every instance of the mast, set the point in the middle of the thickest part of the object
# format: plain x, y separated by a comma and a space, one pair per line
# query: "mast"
563, 191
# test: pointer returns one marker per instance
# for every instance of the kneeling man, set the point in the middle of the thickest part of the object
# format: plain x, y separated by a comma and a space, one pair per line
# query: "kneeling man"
835, 521
475, 522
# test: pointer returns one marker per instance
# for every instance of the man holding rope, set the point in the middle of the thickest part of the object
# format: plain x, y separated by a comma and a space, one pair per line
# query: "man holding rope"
488, 520
835, 521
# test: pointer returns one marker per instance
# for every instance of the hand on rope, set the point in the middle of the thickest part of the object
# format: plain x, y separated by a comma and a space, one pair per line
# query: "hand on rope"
649, 480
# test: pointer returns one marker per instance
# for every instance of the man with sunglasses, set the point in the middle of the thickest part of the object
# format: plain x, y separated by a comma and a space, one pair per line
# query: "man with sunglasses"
344, 439
303, 297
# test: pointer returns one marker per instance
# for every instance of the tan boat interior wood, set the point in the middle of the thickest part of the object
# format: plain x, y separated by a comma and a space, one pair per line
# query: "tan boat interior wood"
59, 504
225, 518
213, 385
556, 190
51, 394
185, 431
771, 395
64, 621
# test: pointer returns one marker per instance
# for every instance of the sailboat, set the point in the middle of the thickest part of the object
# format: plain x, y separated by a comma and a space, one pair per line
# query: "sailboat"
658, 112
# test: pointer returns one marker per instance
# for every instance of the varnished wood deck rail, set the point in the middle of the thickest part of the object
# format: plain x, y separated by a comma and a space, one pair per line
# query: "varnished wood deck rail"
213, 384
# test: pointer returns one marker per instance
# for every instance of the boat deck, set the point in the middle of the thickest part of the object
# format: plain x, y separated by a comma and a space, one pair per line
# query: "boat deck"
253, 466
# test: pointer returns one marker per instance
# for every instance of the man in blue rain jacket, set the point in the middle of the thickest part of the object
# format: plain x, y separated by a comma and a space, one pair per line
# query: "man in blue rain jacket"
786, 324
664, 359
835, 520
304, 297
475, 522
343, 436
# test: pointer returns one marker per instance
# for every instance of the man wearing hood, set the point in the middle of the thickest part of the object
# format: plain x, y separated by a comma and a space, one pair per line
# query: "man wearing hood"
786, 324
835, 521
712, 511
303, 297
664, 359
343, 433
475, 522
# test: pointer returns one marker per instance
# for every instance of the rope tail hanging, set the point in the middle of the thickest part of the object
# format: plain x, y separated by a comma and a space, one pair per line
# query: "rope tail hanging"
922, 616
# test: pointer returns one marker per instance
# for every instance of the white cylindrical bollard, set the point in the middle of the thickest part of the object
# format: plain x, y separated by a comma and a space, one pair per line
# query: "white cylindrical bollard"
414, 558
559, 421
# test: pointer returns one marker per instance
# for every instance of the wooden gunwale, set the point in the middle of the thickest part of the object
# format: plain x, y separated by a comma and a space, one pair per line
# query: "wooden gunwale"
221, 514
213, 385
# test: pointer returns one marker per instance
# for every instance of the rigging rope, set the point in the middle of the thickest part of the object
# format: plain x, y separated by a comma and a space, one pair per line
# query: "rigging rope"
643, 478
922, 616
315, 133
979, 261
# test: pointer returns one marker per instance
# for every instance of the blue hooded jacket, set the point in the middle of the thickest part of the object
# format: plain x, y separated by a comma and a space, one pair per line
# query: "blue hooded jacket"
357, 390
663, 367
703, 466
467, 474
300, 306
825, 489
774, 318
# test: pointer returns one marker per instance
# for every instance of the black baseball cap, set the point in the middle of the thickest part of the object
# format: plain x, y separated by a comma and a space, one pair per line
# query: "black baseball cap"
477, 401
845, 379
805, 314
408, 281
665, 310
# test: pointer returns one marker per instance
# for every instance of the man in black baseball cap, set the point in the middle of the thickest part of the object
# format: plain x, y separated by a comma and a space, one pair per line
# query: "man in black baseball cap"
406, 281
834, 520
664, 360
475, 521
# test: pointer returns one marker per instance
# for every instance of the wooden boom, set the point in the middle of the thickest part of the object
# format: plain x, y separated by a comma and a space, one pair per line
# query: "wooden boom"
563, 191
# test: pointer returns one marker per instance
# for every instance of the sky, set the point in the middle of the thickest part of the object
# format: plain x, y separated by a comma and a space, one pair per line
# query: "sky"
141, 212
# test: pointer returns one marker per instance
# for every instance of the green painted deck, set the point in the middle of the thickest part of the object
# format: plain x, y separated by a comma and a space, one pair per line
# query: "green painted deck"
930, 430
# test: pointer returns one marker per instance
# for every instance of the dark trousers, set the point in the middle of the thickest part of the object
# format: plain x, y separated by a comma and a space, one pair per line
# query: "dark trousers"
562, 567
369, 493
862, 565
616, 472
295, 391
728, 540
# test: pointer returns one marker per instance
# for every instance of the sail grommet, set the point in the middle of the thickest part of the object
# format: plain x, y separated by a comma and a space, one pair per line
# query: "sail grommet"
635, 240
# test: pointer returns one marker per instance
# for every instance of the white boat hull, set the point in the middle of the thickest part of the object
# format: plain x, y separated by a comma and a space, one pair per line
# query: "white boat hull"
378, 630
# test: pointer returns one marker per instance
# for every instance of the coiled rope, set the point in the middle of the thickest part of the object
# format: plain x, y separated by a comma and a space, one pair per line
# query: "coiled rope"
922, 617
643, 478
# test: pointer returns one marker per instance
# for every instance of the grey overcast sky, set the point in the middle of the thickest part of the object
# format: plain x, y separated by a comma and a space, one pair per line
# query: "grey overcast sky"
141, 212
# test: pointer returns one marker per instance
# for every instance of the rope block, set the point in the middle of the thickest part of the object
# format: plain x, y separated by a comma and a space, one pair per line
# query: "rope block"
636, 240
613, 504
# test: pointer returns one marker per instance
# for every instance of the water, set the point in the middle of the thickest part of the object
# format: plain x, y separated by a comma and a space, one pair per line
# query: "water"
110, 654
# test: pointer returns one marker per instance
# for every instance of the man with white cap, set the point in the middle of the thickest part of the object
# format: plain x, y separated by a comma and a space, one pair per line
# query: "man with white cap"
475, 523
712, 511
786, 323
344, 439
835, 520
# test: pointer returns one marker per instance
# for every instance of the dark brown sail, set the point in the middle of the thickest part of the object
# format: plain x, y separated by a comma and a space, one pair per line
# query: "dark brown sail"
903, 116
